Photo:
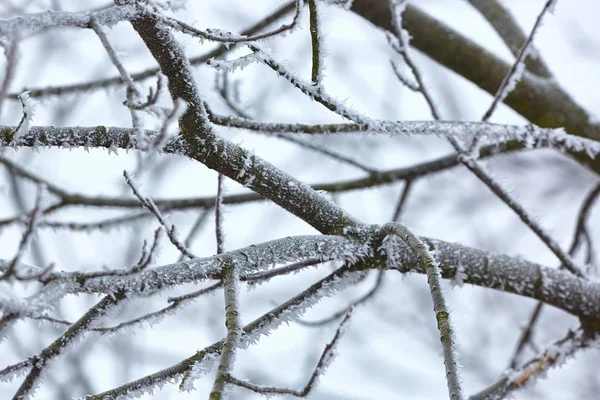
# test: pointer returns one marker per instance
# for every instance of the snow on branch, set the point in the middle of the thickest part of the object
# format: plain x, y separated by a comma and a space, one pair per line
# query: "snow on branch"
515, 73
327, 357
114, 138
533, 136
554, 355
427, 261
33, 23
201, 363
251, 259
219, 35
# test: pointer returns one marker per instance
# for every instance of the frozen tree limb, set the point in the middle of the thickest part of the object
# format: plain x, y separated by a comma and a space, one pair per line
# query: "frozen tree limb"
234, 329
515, 73
542, 102
426, 259
104, 83
555, 355
326, 358
32, 23
511, 33
55, 349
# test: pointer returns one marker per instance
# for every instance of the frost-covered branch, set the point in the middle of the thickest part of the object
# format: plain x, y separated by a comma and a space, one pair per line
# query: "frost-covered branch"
57, 347
227, 158
114, 138
533, 135
425, 256
218, 35
363, 299
470, 160
255, 258
511, 33
149, 73
151, 206
178, 302
325, 360
32, 23
200, 363
554, 356
515, 73
231, 283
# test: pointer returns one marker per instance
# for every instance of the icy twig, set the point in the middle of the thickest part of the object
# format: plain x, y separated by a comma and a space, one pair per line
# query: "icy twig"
219, 232
327, 357
511, 33
12, 270
430, 265
527, 219
515, 73
57, 347
151, 206
554, 356
231, 283
218, 35
402, 200
195, 229
133, 94
363, 299
108, 82
470, 161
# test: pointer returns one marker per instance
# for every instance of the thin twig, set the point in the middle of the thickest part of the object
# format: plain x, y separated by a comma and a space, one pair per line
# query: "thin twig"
336, 316
511, 79
402, 200
11, 52
32, 223
133, 94
555, 355
151, 206
511, 33
325, 360
218, 35
219, 233
195, 229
